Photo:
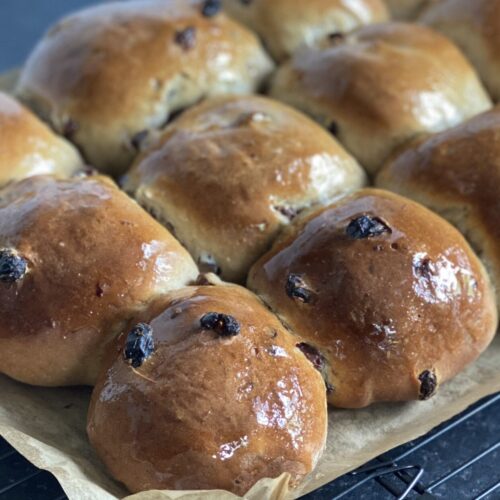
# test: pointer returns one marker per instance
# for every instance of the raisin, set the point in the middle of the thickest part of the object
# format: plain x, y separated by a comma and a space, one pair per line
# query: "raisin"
210, 8
333, 128
287, 211
329, 388
335, 37
13, 267
428, 384
138, 138
139, 345
312, 354
70, 128
222, 324
366, 226
296, 289
186, 38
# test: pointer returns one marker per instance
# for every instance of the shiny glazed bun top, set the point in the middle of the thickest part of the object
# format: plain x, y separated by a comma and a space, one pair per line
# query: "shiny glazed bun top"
108, 74
474, 25
457, 174
286, 25
28, 147
387, 297
379, 86
211, 393
229, 173
78, 259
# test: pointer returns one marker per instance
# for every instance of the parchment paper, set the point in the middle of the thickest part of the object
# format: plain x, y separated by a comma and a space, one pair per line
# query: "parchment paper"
47, 426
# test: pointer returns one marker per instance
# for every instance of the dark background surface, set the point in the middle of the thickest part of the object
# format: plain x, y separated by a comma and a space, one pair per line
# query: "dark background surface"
22, 22
459, 460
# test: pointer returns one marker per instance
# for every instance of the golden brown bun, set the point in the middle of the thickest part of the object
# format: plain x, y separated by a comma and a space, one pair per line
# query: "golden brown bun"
387, 317
78, 259
228, 174
202, 410
28, 147
381, 85
457, 174
108, 74
474, 25
286, 25
407, 9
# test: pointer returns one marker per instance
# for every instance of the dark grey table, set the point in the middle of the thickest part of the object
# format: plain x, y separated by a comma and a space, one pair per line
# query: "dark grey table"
458, 460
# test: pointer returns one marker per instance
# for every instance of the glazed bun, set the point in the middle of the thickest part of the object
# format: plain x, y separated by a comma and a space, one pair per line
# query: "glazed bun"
28, 147
388, 298
228, 174
379, 86
107, 75
457, 174
286, 25
474, 25
78, 259
406, 9
211, 393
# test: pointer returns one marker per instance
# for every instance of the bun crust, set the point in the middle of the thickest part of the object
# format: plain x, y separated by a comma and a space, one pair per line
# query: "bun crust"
107, 75
229, 173
475, 27
381, 85
240, 407
406, 9
78, 259
457, 174
28, 147
286, 25
389, 297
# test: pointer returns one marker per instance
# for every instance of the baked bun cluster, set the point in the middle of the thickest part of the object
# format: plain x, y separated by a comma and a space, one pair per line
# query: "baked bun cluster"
474, 25
28, 147
359, 296
287, 25
388, 298
211, 393
78, 259
229, 173
107, 75
457, 174
379, 86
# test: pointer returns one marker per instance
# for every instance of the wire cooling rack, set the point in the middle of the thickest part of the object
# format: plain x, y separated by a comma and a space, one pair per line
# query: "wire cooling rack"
460, 460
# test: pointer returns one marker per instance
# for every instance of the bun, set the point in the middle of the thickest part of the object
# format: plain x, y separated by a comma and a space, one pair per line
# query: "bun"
457, 174
406, 9
229, 173
220, 398
381, 85
475, 27
286, 25
78, 259
108, 75
387, 297
28, 147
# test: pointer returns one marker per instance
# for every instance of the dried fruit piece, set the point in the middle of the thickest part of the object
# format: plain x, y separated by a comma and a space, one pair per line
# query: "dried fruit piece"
186, 38
222, 324
428, 384
210, 8
366, 226
297, 289
13, 267
313, 355
139, 345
